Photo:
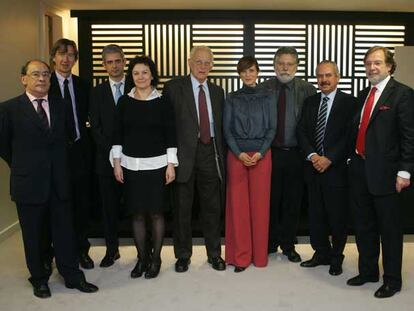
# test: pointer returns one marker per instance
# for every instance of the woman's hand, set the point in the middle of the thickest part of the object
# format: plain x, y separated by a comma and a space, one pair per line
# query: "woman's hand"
255, 158
169, 174
250, 161
119, 174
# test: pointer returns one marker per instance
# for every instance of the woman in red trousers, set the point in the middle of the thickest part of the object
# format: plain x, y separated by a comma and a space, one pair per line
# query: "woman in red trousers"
249, 128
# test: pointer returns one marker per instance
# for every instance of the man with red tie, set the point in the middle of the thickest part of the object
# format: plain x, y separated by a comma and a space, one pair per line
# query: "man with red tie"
380, 167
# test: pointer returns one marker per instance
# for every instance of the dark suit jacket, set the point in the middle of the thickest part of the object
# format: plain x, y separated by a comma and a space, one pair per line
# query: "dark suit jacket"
37, 157
179, 92
389, 140
336, 135
81, 89
102, 116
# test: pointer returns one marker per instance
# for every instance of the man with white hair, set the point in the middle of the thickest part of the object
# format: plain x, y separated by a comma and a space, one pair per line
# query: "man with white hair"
198, 108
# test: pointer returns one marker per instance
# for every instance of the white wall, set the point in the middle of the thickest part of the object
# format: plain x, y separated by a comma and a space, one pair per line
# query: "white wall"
404, 56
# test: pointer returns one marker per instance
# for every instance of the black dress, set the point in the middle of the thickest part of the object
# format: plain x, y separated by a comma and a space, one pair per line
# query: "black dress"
145, 129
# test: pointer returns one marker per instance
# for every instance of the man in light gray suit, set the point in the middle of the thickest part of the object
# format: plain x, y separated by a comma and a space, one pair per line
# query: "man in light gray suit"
198, 108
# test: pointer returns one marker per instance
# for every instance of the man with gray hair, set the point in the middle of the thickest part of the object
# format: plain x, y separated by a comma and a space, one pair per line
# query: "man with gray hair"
322, 133
103, 100
287, 160
198, 108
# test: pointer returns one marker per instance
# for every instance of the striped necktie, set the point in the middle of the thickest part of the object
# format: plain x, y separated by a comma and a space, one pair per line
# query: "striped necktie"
42, 113
321, 125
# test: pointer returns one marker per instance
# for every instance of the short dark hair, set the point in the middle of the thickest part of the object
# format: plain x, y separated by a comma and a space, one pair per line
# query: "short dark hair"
286, 50
389, 56
246, 62
62, 44
129, 81
24, 68
112, 48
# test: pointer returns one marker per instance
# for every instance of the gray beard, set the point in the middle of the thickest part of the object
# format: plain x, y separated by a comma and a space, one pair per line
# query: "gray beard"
285, 79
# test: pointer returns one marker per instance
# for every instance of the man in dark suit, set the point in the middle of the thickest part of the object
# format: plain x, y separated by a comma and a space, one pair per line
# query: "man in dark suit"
33, 142
198, 108
64, 84
322, 134
380, 167
103, 100
287, 159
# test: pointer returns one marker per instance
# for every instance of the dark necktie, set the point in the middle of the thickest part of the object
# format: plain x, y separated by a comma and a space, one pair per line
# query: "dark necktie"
281, 116
205, 136
321, 126
366, 114
66, 96
42, 113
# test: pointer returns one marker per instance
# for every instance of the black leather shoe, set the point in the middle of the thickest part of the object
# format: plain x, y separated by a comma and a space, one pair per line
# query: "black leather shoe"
238, 269
292, 255
315, 261
361, 280
272, 249
85, 261
386, 291
41, 291
217, 263
109, 259
139, 268
84, 287
182, 264
153, 269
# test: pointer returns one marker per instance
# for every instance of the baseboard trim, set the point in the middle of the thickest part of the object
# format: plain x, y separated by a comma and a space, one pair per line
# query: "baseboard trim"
8, 231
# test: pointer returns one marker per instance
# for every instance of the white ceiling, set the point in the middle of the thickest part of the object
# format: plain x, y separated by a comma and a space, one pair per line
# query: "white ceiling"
316, 5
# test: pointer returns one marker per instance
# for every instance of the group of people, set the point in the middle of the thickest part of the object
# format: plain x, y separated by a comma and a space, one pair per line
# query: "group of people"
252, 150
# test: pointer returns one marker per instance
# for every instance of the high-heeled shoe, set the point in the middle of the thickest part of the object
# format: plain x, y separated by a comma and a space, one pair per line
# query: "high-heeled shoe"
238, 269
139, 269
153, 269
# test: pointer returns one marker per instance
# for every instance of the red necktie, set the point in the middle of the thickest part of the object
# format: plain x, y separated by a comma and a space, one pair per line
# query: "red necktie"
205, 136
360, 143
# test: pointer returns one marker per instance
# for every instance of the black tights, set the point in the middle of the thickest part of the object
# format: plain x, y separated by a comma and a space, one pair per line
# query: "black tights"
140, 235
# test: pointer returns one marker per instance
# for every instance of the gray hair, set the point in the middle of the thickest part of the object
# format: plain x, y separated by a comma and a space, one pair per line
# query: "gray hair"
197, 48
112, 48
329, 62
286, 50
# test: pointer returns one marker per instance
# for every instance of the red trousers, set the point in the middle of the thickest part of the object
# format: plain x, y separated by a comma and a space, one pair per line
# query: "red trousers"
247, 211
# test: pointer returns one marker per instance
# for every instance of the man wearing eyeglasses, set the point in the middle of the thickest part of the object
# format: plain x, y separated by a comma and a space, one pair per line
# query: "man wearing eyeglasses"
34, 134
75, 91
287, 159
198, 108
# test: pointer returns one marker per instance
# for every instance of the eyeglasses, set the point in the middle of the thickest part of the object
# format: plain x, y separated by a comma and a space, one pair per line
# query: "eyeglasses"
281, 64
201, 63
37, 74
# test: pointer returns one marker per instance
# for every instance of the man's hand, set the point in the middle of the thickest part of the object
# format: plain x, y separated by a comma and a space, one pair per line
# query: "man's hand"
119, 174
169, 174
320, 163
401, 183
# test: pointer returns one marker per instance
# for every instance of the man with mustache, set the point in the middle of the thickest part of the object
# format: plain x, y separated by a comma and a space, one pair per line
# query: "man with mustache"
322, 134
287, 159
380, 167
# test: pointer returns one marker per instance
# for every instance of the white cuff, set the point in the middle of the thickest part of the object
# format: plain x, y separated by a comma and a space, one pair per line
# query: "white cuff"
404, 174
172, 156
116, 151
309, 157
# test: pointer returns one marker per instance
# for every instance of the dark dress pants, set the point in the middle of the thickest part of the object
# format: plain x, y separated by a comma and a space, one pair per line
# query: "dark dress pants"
285, 197
205, 178
111, 192
327, 210
55, 217
377, 222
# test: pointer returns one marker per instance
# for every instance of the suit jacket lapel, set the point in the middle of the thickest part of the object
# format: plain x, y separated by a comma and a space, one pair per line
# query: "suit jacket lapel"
189, 95
214, 102
29, 111
389, 88
108, 94
332, 114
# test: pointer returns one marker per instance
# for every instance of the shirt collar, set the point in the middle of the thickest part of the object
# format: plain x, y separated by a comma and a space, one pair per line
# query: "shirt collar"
197, 83
61, 78
154, 94
331, 95
112, 82
32, 98
381, 85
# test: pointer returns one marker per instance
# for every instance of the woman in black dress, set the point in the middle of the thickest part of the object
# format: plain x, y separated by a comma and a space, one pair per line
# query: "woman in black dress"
144, 156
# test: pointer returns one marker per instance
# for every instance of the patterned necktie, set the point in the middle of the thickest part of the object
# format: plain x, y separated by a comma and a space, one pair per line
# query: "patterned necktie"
281, 116
205, 136
118, 93
366, 114
42, 113
321, 126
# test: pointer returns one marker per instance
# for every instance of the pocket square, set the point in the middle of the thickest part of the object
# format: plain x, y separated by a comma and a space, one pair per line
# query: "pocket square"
384, 107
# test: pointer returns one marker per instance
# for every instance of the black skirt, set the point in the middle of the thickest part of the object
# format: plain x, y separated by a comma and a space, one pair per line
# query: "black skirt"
144, 190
